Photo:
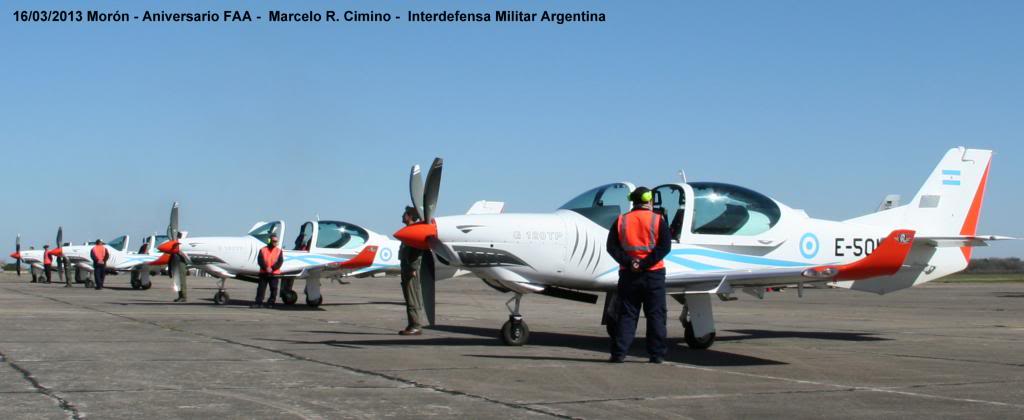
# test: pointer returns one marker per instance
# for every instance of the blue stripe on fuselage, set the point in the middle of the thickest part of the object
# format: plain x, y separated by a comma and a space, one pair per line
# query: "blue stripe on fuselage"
746, 259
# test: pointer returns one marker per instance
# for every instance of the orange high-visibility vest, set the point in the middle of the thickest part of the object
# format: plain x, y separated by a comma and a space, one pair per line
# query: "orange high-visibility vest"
270, 256
99, 253
46, 258
638, 235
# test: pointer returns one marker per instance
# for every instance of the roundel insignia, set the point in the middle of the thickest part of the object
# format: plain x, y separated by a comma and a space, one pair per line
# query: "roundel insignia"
809, 245
385, 254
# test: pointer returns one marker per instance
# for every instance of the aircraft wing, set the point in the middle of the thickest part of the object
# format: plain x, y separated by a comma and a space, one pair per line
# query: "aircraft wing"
138, 262
362, 260
886, 260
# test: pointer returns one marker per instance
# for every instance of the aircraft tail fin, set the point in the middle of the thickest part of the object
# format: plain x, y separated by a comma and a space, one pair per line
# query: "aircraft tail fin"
949, 202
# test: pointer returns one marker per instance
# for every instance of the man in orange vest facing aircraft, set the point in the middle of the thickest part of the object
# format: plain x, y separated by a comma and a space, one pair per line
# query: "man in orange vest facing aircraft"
270, 259
639, 241
47, 263
99, 256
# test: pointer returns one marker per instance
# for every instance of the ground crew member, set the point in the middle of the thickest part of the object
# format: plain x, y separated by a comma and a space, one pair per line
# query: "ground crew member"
32, 269
270, 260
638, 241
47, 263
99, 256
67, 276
176, 263
410, 259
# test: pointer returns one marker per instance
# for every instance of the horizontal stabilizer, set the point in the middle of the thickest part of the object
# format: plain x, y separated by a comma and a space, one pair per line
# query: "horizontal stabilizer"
961, 240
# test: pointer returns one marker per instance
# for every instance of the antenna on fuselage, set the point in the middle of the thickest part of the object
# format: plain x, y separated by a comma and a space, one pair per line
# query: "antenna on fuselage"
682, 175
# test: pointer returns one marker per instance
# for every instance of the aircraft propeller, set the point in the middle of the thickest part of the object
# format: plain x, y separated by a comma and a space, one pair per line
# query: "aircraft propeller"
177, 263
17, 254
419, 235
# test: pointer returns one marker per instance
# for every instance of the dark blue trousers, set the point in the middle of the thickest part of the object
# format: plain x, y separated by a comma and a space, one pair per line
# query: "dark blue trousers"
100, 273
261, 288
636, 290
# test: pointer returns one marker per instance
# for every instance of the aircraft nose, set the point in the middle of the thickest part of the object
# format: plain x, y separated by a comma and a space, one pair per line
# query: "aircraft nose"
167, 247
57, 251
416, 235
16, 255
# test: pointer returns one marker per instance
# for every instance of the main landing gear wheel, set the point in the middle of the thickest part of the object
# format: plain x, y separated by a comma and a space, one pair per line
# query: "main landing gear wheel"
289, 297
221, 297
136, 284
89, 283
515, 332
146, 286
694, 342
314, 303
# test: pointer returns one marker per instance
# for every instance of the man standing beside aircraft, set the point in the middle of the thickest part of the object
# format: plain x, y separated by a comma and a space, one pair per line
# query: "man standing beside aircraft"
99, 256
47, 263
177, 264
410, 258
639, 241
270, 259
32, 269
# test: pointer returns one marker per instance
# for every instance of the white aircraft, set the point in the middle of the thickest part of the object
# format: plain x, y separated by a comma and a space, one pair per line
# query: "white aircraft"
32, 257
322, 248
35, 257
726, 238
142, 266
79, 258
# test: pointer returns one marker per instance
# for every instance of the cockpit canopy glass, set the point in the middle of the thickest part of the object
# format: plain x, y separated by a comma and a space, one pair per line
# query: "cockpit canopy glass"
340, 235
723, 209
118, 242
302, 241
603, 204
262, 233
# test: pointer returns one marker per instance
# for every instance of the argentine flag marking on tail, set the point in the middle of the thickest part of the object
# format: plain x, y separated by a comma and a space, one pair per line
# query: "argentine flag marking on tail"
950, 177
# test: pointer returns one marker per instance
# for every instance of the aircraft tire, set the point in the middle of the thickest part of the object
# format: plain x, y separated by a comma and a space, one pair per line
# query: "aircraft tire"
146, 286
697, 343
314, 303
136, 284
515, 336
289, 297
221, 298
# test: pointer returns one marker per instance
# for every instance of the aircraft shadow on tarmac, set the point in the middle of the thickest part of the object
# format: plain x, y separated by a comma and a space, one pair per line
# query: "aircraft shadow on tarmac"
245, 303
488, 337
748, 334
234, 303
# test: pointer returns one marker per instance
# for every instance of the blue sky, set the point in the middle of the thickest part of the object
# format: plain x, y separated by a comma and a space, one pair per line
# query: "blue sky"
825, 106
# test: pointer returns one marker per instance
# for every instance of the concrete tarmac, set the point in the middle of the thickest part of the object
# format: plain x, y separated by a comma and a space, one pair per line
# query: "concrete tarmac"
937, 351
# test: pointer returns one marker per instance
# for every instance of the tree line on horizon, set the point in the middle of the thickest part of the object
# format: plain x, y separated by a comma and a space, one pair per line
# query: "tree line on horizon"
1012, 265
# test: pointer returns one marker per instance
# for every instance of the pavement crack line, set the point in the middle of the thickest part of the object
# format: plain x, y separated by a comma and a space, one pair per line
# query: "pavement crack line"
408, 382
69, 409
689, 397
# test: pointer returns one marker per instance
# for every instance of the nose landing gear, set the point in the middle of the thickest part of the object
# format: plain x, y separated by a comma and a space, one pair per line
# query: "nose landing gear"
515, 332
221, 297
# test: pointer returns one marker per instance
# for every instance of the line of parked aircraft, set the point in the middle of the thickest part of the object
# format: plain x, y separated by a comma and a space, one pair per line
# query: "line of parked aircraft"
725, 239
